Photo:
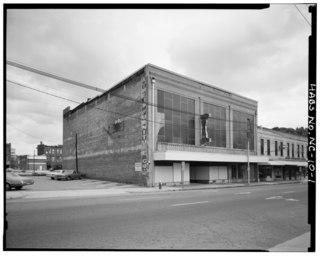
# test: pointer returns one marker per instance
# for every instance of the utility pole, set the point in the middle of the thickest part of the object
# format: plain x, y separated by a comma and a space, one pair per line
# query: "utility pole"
183, 164
34, 156
76, 152
248, 138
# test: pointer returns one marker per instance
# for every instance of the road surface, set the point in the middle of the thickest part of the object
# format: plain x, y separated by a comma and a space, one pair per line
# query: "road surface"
242, 218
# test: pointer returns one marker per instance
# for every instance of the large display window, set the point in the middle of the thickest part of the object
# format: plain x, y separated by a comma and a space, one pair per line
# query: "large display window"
175, 118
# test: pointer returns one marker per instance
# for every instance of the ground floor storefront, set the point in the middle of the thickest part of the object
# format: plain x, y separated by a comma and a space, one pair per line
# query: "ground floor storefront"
186, 172
282, 172
169, 173
185, 167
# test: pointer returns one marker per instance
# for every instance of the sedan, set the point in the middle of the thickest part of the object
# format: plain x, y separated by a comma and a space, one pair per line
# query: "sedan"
14, 180
68, 175
53, 174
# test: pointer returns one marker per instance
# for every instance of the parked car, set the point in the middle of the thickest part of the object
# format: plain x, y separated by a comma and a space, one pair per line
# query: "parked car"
40, 172
18, 171
53, 173
14, 180
68, 175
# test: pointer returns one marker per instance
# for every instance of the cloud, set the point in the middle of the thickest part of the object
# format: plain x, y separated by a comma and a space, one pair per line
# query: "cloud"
258, 54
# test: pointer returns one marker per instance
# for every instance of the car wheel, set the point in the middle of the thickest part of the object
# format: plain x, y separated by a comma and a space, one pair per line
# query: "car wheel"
68, 178
19, 188
8, 187
52, 178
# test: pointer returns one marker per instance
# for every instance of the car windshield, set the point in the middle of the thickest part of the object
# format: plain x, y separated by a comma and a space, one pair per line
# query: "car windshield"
69, 171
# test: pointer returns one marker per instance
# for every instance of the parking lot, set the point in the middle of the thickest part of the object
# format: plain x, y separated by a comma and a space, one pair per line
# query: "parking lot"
43, 183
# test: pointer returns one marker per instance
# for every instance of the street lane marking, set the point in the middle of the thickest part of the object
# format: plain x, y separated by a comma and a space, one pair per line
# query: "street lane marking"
140, 198
201, 202
292, 199
243, 193
274, 197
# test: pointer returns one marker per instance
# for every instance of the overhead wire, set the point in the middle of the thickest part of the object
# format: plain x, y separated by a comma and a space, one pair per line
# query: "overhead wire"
54, 76
26, 132
108, 111
51, 75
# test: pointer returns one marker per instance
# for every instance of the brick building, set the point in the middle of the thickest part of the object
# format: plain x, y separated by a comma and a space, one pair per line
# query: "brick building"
157, 125
8, 155
287, 155
52, 153
32, 162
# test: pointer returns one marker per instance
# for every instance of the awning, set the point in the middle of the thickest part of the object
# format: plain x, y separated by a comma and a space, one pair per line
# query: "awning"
189, 156
283, 163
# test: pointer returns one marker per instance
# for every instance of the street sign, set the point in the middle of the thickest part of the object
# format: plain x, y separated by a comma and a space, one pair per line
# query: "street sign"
137, 167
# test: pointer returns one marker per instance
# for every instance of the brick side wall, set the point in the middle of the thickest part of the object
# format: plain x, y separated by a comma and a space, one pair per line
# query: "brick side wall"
108, 131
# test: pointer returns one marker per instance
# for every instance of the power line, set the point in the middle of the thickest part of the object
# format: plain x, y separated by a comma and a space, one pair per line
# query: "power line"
37, 90
35, 70
26, 132
302, 15
112, 112
44, 73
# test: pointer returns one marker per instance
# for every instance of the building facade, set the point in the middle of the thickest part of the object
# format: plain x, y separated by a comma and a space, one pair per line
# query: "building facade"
52, 153
287, 155
8, 155
29, 162
156, 125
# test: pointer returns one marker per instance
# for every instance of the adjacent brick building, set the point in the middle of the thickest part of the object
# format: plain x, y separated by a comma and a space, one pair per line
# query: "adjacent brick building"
287, 155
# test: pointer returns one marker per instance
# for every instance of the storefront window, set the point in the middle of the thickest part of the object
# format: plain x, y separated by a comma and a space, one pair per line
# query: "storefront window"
216, 125
178, 125
262, 146
292, 150
240, 130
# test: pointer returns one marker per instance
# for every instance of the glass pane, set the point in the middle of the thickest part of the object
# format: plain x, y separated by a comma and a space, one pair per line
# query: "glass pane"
160, 101
168, 132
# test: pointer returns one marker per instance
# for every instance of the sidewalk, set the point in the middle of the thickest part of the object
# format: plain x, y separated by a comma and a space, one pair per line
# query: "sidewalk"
297, 244
125, 190
129, 189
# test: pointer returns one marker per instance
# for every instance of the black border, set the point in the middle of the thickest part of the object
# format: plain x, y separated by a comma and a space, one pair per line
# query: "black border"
311, 88
312, 95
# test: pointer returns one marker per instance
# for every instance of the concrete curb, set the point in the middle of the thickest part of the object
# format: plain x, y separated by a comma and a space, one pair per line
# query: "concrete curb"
11, 195
297, 244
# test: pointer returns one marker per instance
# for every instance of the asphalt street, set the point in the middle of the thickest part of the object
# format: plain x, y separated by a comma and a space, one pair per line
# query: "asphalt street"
242, 218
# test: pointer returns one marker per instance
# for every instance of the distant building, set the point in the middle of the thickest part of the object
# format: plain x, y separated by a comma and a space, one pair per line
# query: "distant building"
32, 162
13, 159
287, 155
52, 153
8, 154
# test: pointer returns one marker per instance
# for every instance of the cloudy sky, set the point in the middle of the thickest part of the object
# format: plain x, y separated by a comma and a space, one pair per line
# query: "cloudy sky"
260, 54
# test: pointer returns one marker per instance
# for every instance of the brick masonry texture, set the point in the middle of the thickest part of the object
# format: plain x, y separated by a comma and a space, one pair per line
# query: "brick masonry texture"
108, 132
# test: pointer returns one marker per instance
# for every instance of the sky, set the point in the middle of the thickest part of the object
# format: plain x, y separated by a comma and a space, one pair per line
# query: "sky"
259, 54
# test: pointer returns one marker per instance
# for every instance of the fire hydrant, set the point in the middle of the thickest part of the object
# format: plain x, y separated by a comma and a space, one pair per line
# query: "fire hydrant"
160, 185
